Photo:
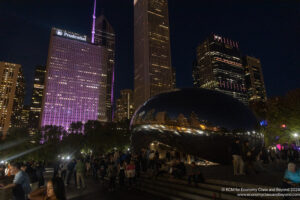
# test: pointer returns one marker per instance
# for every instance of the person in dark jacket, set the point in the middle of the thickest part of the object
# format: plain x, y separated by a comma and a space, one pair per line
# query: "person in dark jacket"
194, 174
248, 157
70, 172
238, 163
40, 174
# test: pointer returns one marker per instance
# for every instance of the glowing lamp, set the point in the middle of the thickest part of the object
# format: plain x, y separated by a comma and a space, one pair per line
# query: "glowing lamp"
203, 127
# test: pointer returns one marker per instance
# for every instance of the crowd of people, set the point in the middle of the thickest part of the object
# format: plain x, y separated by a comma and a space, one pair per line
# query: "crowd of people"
123, 169
28, 182
116, 169
248, 160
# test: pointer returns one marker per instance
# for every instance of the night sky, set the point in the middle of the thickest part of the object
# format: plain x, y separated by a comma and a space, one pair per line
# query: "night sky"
269, 30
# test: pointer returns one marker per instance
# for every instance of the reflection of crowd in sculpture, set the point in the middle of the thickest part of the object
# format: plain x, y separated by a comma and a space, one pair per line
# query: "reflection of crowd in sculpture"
163, 118
161, 121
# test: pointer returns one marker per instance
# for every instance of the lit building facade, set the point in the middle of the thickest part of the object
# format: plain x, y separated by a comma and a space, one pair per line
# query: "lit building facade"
105, 36
254, 79
11, 95
219, 67
74, 74
25, 116
196, 73
124, 105
37, 97
153, 73
16, 117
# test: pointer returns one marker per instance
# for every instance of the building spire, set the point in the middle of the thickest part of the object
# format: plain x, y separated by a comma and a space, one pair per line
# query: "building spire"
94, 19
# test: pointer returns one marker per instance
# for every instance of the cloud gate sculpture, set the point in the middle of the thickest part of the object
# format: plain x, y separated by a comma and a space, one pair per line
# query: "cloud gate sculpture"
198, 122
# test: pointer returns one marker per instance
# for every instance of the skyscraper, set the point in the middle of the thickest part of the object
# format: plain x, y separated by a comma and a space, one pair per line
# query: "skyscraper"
254, 79
25, 117
219, 67
105, 36
196, 73
17, 112
153, 72
75, 73
11, 95
37, 97
124, 105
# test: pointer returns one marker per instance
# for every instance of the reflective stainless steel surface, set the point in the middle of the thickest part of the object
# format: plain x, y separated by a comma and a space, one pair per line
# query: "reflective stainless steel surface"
195, 121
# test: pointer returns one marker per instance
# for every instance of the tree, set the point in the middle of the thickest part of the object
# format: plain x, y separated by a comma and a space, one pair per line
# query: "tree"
278, 111
76, 127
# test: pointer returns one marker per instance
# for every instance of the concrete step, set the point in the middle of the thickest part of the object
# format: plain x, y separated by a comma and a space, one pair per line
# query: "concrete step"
234, 184
185, 191
169, 192
202, 189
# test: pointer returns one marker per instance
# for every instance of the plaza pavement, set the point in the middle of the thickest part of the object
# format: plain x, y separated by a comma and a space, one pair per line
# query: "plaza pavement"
272, 176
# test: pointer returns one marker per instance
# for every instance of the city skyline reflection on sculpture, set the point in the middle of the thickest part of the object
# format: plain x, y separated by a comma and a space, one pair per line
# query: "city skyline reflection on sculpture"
197, 122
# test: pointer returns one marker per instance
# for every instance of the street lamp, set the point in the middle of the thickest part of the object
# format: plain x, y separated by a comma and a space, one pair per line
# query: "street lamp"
297, 140
295, 134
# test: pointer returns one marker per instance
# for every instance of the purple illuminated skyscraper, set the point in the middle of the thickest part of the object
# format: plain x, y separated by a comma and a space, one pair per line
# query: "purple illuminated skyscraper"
74, 88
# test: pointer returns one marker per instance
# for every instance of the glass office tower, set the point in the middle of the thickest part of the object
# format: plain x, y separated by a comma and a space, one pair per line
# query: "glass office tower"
76, 72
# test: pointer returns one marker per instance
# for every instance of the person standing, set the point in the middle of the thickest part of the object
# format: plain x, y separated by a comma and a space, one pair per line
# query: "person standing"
63, 168
80, 167
40, 174
103, 168
121, 173
192, 173
238, 163
130, 172
88, 167
248, 156
21, 183
70, 171
112, 174
34, 184
95, 168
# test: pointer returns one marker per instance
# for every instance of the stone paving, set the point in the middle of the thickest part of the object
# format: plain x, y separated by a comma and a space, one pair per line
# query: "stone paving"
271, 177
98, 190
